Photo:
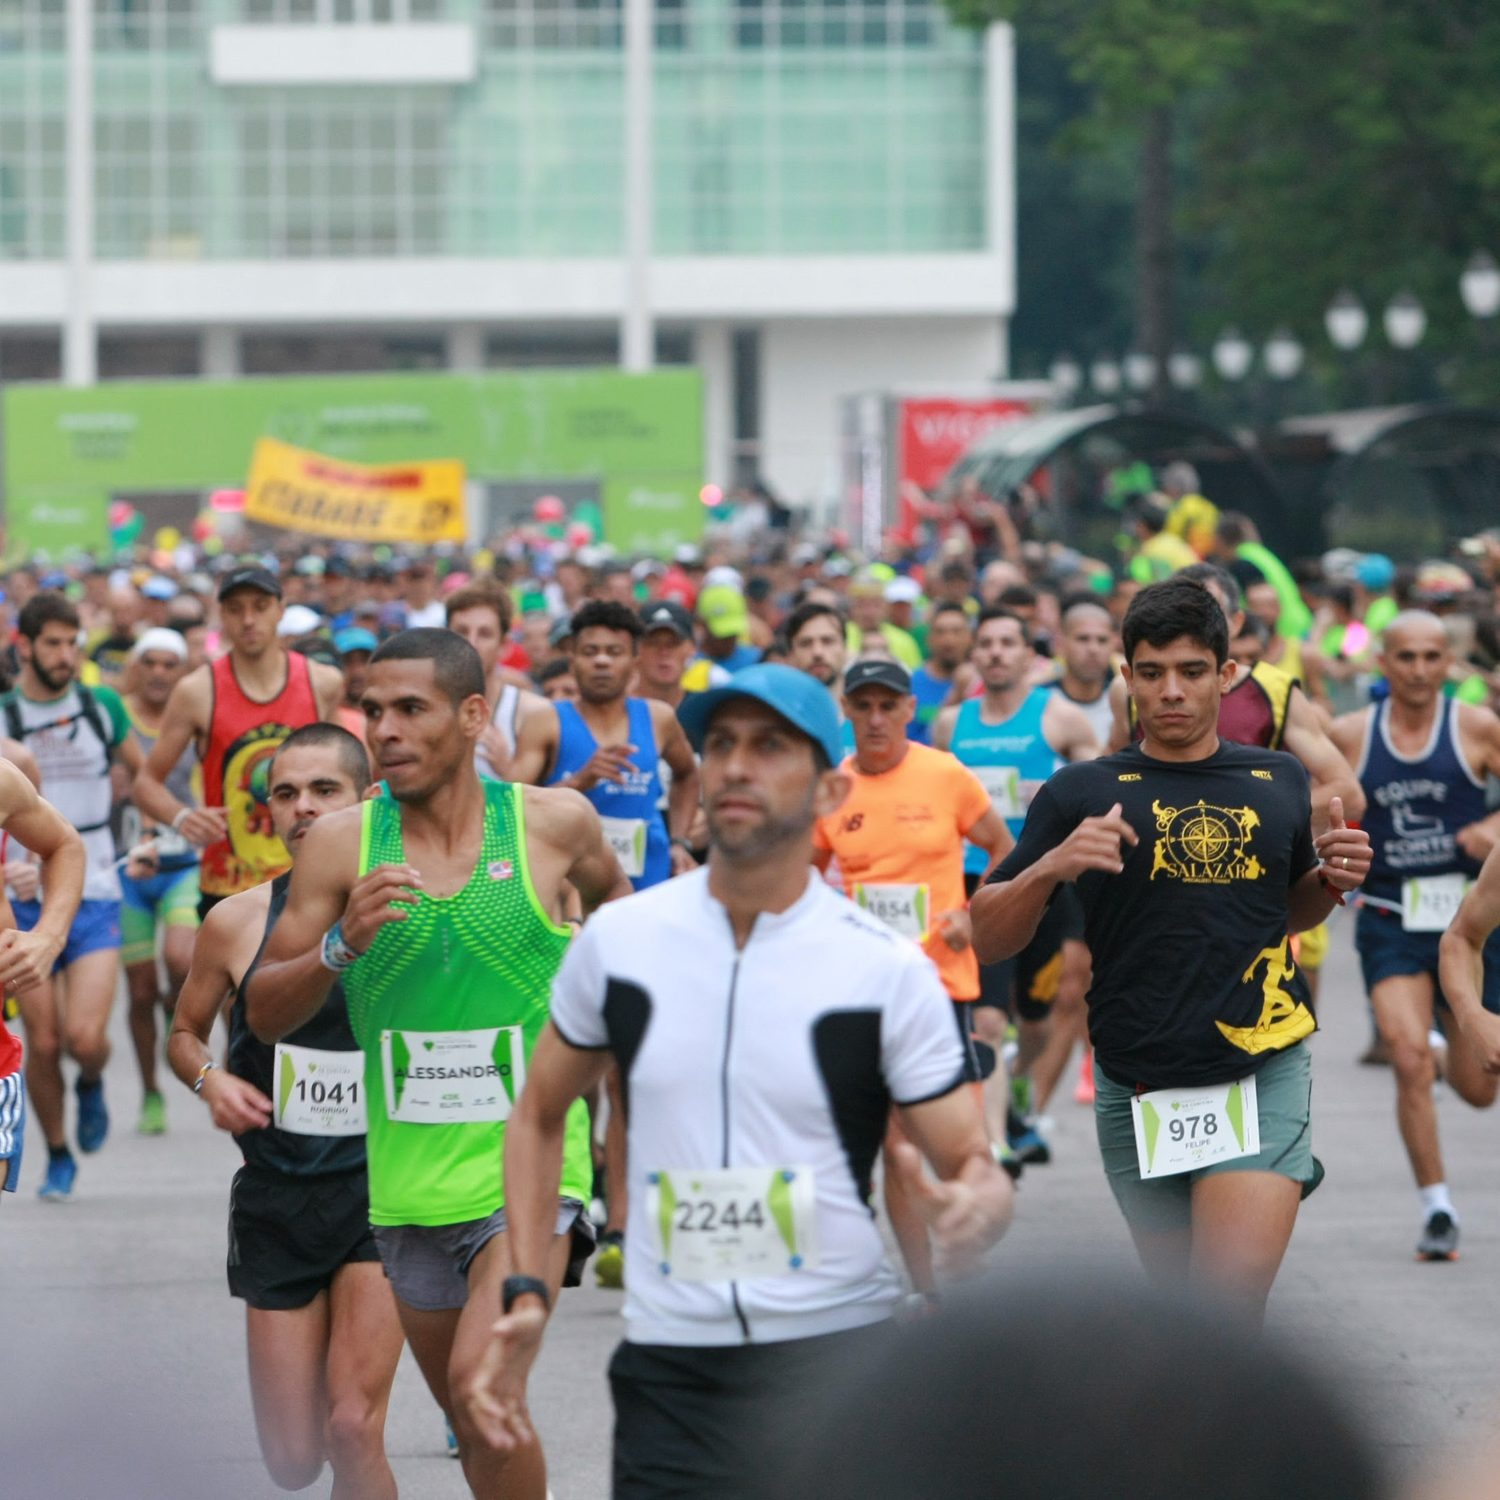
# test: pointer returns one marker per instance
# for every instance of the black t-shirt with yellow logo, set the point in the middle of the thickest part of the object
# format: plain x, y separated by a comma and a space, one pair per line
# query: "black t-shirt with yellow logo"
1194, 980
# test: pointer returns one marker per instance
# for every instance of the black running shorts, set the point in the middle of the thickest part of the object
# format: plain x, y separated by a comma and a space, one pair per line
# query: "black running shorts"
696, 1422
288, 1236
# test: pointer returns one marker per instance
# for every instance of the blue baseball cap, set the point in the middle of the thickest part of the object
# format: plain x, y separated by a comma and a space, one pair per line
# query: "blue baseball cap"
354, 638
1375, 571
801, 700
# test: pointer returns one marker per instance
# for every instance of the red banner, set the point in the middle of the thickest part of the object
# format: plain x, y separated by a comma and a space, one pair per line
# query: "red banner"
935, 432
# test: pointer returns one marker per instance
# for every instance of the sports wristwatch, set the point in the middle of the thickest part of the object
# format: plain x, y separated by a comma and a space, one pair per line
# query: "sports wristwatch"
523, 1286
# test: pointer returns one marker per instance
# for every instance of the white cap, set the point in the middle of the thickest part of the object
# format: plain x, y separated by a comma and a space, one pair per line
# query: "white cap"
724, 578
299, 620
687, 554
159, 638
903, 591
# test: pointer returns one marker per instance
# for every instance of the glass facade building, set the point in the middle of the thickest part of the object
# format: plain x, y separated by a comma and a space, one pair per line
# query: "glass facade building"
784, 132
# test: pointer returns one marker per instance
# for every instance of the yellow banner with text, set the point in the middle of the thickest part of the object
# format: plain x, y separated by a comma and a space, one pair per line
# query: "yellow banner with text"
310, 492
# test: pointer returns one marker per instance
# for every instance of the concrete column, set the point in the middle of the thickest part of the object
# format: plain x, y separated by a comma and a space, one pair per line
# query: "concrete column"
465, 348
1000, 156
713, 352
219, 352
80, 362
637, 329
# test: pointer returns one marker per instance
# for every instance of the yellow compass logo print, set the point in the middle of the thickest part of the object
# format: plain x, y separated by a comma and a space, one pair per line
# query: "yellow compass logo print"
1204, 844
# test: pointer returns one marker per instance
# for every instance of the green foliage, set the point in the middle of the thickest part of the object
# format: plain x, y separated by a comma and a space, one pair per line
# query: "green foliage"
1320, 144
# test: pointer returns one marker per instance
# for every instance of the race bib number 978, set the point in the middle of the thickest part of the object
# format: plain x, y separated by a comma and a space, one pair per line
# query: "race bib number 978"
1183, 1130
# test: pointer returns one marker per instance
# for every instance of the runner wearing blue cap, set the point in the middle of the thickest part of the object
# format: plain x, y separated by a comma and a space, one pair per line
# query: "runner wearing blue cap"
752, 1258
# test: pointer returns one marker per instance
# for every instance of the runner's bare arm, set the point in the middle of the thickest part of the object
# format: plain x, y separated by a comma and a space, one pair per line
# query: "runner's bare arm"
328, 690
595, 872
992, 834
184, 722
683, 798
291, 981
1331, 774
1461, 962
1479, 735
942, 728
26, 958
1005, 915
537, 735
1344, 855
22, 759
225, 945
1069, 732
970, 1206
556, 1075
1119, 704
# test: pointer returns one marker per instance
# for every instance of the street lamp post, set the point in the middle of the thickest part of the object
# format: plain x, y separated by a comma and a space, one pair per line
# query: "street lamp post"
1185, 370
1104, 376
1347, 322
1066, 376
1479, 285
1232, 355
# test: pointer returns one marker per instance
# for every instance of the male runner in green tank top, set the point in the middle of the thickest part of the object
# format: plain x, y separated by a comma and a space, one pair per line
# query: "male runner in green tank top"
446, 958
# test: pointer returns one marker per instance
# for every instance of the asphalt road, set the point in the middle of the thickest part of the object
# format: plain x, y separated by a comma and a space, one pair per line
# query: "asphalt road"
124, 1355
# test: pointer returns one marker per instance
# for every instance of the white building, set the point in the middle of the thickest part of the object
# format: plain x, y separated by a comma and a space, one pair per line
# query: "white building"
333, 185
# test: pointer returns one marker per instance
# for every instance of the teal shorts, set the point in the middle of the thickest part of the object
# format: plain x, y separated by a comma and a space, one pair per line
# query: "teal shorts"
1284, 1092
169, 898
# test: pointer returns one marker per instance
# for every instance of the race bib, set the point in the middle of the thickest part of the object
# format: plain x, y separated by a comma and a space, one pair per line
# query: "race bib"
452, 1077
734, 1224
318, 1092
905, 909
1181, 1130
1430, 902
627, 837
1009, 794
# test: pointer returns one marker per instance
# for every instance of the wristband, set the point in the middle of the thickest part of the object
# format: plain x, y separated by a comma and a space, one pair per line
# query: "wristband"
681, 844
180, 819
203, 1073
336, 954
1330, 887
514, 1287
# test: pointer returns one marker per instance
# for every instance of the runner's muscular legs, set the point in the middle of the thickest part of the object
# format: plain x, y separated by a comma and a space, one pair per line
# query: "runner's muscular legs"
1403, 1012
1242, 1224
448, 1345
364, 1346
141, 990
288, 1386
44, 1081
88, 996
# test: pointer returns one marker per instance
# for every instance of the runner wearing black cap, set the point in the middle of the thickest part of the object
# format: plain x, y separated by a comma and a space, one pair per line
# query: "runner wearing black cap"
237, 710
666, 647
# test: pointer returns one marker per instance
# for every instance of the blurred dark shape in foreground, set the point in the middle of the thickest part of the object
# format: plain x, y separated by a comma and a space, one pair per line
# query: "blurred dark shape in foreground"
1049, 1390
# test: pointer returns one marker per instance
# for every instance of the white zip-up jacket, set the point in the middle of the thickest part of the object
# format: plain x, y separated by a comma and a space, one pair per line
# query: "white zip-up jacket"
786, 1053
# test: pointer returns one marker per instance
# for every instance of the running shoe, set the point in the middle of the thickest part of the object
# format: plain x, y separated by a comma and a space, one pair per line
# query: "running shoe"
1020, 1094
452, 1438
1007, 1160
57, 1185
1376, 1055
1439, 1238
609, 1262
1084, 1093
153, 1120
93, 1116
1030, 1146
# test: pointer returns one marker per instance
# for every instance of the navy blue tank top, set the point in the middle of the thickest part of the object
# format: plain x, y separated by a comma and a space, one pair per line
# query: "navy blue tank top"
253, 1060
631, 810
1416, 804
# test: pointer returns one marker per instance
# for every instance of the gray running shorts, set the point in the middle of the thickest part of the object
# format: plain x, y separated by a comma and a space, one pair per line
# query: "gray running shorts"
428, 1265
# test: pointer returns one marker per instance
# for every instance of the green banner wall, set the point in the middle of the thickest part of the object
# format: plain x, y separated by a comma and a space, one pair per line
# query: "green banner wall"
68, 452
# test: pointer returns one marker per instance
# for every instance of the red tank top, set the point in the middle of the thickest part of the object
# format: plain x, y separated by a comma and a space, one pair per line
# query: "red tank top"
243, 735
10, 1044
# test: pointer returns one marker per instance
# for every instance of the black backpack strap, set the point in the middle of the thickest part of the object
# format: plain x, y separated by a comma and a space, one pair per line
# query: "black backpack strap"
93, 715
13, 726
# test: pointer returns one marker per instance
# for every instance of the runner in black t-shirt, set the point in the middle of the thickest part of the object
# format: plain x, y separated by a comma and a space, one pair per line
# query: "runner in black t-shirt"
1193, 859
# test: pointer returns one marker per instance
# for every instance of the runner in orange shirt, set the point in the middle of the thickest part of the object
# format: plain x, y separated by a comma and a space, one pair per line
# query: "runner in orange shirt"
899, 840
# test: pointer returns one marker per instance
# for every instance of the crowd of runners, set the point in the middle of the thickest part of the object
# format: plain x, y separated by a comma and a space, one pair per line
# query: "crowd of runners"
700, 918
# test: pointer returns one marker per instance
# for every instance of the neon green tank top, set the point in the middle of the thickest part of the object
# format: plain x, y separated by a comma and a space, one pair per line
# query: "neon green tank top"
447, 1007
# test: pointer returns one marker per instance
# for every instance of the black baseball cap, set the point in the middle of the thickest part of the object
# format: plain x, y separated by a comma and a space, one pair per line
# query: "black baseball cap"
667, 614
881, 673
250, 577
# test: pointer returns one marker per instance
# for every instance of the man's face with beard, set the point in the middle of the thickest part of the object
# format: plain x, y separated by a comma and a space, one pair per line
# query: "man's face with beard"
819, 650
53, 655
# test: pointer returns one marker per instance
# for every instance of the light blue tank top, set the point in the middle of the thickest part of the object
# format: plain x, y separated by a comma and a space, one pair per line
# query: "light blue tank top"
1011, 758
633, 826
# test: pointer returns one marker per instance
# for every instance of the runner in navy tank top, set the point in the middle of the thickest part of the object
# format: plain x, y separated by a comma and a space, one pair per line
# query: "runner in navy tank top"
1422, 760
